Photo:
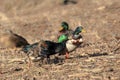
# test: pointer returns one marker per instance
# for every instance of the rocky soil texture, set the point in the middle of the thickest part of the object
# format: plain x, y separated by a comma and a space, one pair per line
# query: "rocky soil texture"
97, 59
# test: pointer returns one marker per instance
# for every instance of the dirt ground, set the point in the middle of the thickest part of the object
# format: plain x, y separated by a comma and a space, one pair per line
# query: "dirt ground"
97, 59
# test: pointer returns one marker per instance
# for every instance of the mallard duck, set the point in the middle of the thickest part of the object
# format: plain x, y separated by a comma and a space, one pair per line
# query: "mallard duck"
73, 43
64, 32
49, 48
75, 33
65, 2
64, 27
12, 40
78, 30
76, 40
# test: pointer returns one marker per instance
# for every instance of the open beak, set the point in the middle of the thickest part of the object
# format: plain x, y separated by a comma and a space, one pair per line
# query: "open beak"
83, 31
61, 28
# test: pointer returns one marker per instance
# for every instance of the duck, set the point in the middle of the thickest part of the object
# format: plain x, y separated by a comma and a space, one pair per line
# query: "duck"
49, 48
64, 32
75, 41
64, 26
12, 40
65, 2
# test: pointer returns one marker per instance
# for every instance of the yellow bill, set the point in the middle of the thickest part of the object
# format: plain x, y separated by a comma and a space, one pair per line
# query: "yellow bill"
83, 31
61, 28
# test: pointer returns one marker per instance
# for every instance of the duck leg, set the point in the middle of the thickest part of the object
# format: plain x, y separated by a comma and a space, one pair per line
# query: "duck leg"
67, 55
48, 59
56, 59
42, 59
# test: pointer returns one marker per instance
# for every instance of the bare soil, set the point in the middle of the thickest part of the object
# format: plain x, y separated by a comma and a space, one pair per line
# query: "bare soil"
97, 59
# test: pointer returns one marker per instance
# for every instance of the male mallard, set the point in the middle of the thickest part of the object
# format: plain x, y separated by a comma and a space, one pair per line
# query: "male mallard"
76, 40
73, 43
12, 40
64, 32
78, 30
75, 33
64, 26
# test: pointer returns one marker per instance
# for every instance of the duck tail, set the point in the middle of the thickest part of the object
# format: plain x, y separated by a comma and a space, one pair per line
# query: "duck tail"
29, 47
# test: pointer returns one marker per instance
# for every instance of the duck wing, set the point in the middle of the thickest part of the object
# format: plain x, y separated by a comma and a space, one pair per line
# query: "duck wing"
59, 47
21, 40
49, 49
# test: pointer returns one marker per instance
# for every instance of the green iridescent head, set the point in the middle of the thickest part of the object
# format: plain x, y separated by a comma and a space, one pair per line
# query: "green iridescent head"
78, 30
64, 26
